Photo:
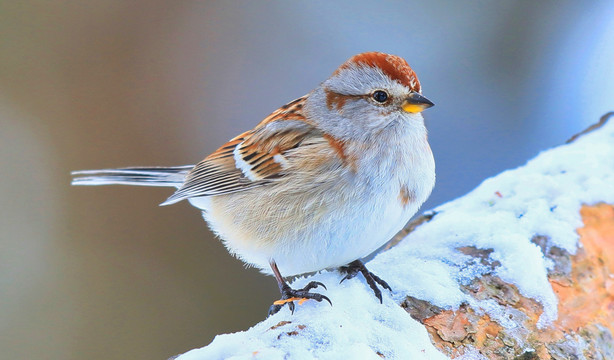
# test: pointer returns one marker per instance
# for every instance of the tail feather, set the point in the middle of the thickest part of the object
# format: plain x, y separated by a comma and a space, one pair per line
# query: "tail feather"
140, 176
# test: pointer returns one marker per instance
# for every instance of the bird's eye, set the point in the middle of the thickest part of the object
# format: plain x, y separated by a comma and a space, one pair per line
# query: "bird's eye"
380, 96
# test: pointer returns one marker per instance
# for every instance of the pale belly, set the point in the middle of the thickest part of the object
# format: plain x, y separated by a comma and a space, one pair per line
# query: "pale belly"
306, 232
329, 216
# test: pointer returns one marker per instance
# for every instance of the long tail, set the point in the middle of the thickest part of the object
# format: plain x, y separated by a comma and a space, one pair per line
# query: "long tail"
141, 176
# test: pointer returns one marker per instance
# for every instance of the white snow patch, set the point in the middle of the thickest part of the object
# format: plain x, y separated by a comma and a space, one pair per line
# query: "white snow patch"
503, 214
357, 327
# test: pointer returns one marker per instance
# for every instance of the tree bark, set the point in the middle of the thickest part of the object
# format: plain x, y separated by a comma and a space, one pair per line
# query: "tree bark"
583, 283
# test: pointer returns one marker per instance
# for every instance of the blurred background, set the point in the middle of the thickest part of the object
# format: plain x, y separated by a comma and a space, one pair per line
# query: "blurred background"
104, 273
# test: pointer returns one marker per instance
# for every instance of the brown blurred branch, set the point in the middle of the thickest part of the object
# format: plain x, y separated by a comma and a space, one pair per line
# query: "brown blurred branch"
604, 118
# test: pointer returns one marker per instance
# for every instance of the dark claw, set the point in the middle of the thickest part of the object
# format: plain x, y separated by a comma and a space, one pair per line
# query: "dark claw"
376, 290
355, 267
349, 274
327, 299
287, 293
380, 281
274, 309
313, 285
291, 307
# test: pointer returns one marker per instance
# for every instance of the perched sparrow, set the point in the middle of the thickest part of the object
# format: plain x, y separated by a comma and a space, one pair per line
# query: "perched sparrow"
320, 183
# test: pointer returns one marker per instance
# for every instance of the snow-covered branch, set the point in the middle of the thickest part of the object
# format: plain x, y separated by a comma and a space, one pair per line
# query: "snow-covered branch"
520, 268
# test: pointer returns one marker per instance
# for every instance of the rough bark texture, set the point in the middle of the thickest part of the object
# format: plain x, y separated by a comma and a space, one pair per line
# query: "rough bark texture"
584, 284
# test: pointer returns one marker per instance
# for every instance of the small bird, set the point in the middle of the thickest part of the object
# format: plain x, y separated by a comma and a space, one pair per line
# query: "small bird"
320, 183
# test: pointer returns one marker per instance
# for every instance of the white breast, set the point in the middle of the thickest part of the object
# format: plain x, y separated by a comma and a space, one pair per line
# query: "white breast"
336, 222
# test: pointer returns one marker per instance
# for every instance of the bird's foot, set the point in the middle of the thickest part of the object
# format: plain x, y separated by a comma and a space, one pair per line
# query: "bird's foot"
289, 296
355, 267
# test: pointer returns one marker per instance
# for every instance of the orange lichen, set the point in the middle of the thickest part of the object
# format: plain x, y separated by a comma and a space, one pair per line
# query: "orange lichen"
450, 326
589, 296
598, 233
585, 311
486, 329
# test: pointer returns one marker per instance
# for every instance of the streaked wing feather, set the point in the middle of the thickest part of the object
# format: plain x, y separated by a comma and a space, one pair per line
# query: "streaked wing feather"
254, 158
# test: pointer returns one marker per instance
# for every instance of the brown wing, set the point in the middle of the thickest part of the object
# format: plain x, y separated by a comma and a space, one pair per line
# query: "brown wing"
254, 158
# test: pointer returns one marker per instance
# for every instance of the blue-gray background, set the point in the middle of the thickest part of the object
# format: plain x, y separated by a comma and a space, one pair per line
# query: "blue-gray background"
104, 273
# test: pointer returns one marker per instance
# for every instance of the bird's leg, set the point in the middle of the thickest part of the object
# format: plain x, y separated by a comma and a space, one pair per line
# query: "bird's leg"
356, 267
289, 295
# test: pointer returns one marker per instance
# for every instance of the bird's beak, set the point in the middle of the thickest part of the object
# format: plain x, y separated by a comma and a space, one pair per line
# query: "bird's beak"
416, 103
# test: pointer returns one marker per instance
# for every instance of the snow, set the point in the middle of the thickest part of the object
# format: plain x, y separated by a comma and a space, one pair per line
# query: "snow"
357, 324
504, 213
